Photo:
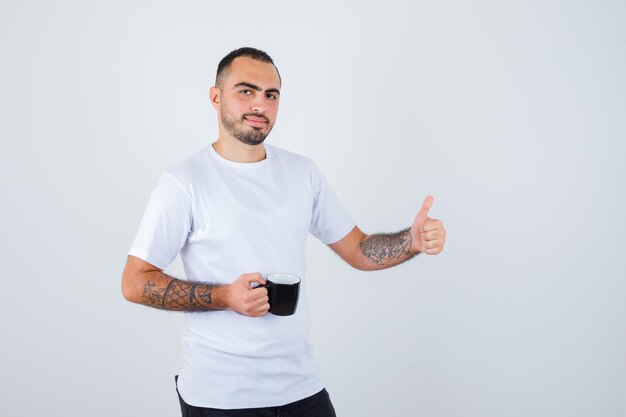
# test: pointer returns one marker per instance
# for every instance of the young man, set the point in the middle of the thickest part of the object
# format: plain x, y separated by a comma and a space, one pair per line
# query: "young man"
236, 211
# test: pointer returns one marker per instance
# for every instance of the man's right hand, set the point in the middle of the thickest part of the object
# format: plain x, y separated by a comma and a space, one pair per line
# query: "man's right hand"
242, 298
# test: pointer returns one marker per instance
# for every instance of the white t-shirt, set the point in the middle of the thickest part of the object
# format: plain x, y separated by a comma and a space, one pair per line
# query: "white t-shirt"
229, 218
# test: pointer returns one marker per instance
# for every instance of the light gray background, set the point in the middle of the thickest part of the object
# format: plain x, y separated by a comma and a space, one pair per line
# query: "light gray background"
511, 114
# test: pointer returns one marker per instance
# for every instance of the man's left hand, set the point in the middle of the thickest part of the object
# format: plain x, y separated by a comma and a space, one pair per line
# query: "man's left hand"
428, 235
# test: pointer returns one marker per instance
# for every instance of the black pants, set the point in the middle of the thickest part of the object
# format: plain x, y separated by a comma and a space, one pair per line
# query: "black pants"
317, 405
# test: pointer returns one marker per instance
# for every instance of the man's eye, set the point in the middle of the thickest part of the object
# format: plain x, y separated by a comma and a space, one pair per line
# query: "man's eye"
245, 92
272, 96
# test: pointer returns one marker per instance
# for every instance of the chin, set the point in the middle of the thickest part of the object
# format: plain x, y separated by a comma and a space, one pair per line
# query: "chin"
252, 142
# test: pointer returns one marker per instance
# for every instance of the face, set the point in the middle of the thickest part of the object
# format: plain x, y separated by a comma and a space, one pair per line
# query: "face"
247, 102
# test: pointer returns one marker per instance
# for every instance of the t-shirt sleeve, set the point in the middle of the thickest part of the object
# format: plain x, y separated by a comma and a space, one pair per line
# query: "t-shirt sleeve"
165, 225
329, 222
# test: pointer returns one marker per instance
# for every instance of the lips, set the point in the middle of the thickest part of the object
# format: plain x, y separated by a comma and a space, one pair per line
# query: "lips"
255, 121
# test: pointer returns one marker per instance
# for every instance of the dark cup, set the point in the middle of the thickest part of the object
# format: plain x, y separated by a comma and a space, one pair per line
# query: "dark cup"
283, 291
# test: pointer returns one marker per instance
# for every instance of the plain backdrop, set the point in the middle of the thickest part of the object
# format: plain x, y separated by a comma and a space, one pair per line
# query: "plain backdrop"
511, 114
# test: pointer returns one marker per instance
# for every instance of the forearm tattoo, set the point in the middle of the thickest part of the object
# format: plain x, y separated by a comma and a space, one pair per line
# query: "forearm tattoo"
382, 248
179, 295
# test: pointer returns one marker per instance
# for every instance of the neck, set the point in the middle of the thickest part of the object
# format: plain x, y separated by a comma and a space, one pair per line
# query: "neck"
237, 151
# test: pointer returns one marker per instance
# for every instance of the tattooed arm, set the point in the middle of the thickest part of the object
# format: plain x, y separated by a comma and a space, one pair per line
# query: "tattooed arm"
373, 252
384, 250
146, 284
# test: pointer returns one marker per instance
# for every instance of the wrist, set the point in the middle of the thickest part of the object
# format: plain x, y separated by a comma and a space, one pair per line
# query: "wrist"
220, 297
413, 250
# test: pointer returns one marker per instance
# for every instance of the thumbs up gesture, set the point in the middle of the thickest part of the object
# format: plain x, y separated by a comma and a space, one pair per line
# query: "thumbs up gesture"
428, 235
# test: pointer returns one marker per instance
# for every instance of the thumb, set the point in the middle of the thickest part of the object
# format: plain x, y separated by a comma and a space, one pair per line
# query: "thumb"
423, 213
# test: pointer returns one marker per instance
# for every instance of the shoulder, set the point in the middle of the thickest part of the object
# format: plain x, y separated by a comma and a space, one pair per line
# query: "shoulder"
190, 169
188, 172
304, 168
289, 157
299, 166
296, 163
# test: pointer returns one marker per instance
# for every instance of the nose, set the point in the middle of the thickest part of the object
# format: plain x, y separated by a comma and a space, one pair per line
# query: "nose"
258, 106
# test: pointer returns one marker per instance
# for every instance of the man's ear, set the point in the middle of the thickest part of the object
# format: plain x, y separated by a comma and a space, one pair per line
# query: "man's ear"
214, 96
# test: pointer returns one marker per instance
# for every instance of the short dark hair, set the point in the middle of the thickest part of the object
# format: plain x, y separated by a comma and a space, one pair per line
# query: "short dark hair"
245, 51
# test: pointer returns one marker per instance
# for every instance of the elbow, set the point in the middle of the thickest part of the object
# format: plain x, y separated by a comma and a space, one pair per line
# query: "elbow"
128, 289
361, 263
134, 277
126, 292
364, 267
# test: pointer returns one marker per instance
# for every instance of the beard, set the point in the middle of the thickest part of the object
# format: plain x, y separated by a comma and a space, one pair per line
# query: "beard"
247, 134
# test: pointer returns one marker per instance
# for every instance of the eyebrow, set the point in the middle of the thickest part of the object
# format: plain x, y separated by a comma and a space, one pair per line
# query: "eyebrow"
256, 87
